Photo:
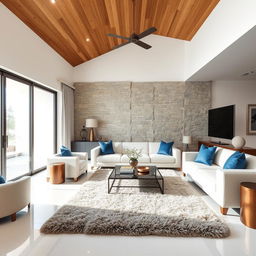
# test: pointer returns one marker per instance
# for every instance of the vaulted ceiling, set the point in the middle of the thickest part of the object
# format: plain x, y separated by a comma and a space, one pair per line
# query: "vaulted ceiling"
77, 29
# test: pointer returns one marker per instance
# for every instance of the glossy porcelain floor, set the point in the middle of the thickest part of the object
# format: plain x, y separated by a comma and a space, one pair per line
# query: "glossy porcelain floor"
23, 237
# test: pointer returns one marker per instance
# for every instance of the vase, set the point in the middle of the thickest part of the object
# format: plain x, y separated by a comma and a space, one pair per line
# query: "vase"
238, 142
133, 163
83, 133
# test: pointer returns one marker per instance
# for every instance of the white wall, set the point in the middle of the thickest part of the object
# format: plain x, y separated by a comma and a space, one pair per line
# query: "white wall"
240, 93
233, 62
23, 52
26, 54
163, 62
229, 20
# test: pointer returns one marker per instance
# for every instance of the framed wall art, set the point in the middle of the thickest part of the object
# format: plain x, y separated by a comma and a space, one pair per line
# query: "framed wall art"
251, 119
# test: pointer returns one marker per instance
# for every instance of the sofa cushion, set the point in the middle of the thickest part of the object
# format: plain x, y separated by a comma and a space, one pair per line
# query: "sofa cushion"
192, 166
157, 158
236, 161
153, 147
2, 180
251, 161
205, 155
117, 146
203, 175
138, 145
64, 151
205, 178
82, 164
221, 156
143, 159
110, 158
165, 148
106, 148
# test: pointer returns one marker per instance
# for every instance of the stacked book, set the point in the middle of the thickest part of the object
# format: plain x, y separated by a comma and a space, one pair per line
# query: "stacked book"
126, 170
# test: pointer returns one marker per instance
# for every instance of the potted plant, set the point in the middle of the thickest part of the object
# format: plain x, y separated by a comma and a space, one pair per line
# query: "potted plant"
133, 155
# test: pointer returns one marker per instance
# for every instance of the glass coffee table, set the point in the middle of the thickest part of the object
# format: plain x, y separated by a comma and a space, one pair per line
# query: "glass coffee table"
121, 172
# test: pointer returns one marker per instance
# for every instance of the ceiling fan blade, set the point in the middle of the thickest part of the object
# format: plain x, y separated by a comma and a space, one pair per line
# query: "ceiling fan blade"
122, 37
142, 44
147, 32
120, 45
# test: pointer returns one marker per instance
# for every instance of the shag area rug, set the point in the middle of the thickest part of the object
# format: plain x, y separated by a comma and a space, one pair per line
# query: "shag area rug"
137, 211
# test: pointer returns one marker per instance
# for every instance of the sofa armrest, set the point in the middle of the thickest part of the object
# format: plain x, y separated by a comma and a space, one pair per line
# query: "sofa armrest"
71, 163
95, 152
81, 155
228, 185
177, 154
64, 159
189, 156
14, 196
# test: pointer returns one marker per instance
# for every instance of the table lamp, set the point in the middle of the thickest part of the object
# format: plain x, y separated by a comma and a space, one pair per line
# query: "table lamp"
91, 124
187, 140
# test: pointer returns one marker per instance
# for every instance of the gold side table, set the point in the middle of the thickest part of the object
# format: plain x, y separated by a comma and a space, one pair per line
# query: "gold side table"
248, 204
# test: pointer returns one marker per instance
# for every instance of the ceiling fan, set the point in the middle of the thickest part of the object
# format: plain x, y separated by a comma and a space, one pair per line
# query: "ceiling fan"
134, 38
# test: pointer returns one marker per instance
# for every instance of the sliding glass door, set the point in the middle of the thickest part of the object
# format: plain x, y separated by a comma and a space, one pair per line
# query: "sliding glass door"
44, 123
17, 128
1, 126
28, 126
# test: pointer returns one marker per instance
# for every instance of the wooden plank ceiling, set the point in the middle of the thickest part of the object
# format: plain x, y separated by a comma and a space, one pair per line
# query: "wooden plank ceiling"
77, 29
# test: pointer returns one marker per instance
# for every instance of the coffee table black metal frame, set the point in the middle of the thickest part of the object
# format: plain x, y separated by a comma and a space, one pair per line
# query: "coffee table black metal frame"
154, 175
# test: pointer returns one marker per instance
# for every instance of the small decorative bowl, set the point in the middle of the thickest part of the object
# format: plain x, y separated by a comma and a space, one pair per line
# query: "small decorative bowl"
143, 169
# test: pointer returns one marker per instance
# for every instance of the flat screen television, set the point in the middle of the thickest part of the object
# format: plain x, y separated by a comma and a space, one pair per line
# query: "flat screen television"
221, 122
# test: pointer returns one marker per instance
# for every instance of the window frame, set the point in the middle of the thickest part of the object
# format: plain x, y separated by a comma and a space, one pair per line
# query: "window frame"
7, 74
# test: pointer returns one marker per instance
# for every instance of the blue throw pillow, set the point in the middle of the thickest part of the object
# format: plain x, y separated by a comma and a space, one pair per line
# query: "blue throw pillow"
205, 155
2, 180
165, 148
236, 161
64, 151
106, 148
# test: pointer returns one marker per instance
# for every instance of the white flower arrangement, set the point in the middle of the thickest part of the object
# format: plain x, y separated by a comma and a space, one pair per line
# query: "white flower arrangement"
133, 154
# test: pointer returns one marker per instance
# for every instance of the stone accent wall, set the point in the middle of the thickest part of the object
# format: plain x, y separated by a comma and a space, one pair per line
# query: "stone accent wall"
197, 101
144, 111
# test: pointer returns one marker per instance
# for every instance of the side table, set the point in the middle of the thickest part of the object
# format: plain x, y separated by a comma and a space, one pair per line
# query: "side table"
248, 204
57, 173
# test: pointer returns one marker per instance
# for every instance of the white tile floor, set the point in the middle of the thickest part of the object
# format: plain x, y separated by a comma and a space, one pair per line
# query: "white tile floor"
23, 238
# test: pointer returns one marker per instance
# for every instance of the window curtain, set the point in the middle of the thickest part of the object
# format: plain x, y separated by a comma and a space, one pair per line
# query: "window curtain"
67, 115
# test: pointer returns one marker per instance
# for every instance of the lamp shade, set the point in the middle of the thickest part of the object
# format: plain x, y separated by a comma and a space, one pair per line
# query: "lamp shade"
187, 140
91, 123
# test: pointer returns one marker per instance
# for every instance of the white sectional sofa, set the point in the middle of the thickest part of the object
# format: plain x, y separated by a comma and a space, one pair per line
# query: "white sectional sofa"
149, 155
222, 185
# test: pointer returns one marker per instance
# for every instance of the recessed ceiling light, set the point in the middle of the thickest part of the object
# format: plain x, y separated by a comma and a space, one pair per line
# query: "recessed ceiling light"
87, 39
53, 1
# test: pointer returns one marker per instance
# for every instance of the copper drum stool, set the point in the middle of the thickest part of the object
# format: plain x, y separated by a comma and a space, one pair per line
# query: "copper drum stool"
248, 204
57, 173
